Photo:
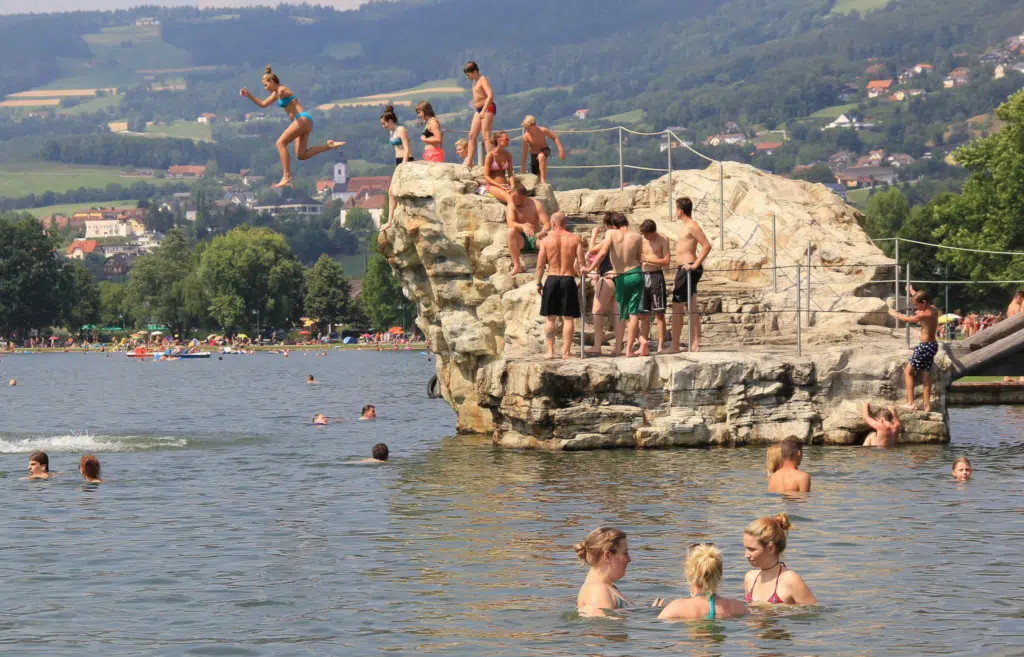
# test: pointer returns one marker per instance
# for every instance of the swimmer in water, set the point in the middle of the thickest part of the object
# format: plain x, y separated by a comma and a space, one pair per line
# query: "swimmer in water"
887, 427
773, 459
788, 478
961, 469
703, 569
12, 383
606, 551
764, 540
39, 466
89, 466
369, 412
310, 380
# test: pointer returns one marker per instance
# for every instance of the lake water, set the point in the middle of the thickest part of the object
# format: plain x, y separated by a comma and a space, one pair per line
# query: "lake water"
231, 526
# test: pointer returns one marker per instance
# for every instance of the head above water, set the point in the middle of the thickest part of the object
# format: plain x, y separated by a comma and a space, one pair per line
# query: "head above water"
42, 459
885, 414
764, 539
685, 205
961, 469
309, 379
773, 459
603, 547
380, 452
703, 568
89, 466
792, 450
369, 411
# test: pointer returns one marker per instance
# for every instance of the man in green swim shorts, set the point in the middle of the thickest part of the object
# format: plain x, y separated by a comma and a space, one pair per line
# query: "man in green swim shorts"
625, 249
524, 216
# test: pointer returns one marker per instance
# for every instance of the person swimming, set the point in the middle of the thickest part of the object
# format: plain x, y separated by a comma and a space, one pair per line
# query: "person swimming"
310, 380
369, 412
89, 466
39, 466
703, 569
788, 478
606, 551
886, 427
961, 469
764, 540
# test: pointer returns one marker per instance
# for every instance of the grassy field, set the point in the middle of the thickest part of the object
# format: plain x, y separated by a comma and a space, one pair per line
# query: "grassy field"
832, 113
71, 208
19, 179
181, 130
405, 97
354, 265
631, 117
858, 197
94, 105
846, 6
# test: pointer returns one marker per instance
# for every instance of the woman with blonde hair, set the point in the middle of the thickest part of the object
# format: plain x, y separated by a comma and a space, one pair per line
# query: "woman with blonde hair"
398, 137
299, 130
433, 136
961, 469
606, 551
773, 460
498, 173
764, 541
703, 570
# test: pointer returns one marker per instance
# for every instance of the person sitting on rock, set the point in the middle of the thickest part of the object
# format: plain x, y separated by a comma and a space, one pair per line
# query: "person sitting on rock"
535, 144
498, 174
561, 253
923, 358
788, 478
625, 250
887, 427
524, 216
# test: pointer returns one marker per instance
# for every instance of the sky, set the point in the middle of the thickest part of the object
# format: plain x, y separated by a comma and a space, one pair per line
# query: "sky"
42, 6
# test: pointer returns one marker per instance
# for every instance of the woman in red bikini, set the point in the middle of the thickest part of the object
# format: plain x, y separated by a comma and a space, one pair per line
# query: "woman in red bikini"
764, 540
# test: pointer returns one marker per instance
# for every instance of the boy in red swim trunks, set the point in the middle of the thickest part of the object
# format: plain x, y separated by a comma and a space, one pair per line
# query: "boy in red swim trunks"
483, 102
923, 357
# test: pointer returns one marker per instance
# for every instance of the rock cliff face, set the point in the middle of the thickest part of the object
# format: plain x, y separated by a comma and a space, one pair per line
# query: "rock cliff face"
448, 245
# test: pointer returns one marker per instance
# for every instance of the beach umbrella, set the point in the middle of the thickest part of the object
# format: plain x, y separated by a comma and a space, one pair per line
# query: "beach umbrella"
211, 336
396, 330
157, 333
949, 317
366, 335
89, 327
242, 336
54, 337
303, 332
111, 329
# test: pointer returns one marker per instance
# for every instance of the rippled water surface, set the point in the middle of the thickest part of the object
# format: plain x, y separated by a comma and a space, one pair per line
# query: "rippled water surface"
231, 526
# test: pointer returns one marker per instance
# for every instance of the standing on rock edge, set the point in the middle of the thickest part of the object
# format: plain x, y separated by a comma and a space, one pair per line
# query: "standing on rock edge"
562, 255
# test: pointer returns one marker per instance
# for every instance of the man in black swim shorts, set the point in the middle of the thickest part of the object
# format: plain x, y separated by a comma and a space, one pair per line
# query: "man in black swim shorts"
535, 143
657, 255
561, 253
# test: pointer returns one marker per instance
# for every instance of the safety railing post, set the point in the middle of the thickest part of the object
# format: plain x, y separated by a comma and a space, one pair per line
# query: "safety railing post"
897, 291
775, 260
622, 170
808, 283
908, 302
799, 338
671, 210
583, 314
721, 206
480, 152
947, 311
690, 303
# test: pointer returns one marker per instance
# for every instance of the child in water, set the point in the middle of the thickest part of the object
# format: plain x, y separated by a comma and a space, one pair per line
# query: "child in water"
369, 412
961, 469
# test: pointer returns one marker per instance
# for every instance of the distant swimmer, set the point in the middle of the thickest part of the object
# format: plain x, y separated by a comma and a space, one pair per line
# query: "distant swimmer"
310, 380
561, 253
89, 466
369, 412
703, 570
535, 144
923, 358
320, 419
12, 383
299, 130
887, 427
606, 551
483, 103
764, 540
961, 469
788, 478
39, 466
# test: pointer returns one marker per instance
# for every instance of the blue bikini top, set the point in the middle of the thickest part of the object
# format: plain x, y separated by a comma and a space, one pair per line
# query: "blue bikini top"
285, 102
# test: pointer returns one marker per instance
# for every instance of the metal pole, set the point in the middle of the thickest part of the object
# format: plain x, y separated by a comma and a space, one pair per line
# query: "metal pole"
947, 307
480, 152
671, 210
799, 338
690, 303
583, 313
808, 283
908, 302
721, 207
775, 260
897, 301
622, 171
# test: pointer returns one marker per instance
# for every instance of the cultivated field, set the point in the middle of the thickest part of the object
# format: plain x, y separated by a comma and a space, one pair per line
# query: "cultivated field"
17, 180
67, 209
403, 98
181, 130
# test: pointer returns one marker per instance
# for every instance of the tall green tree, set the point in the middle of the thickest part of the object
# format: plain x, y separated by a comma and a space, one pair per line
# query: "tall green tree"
252, 270
32, 278
114, 309
382, 299
327, 293
80, 298
156, 285
885, 214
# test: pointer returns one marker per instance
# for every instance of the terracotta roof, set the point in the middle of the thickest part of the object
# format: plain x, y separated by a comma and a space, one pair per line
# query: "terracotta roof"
322, 185
186, 170
879, 84
87, 246
359, 184
769, 145
374, 202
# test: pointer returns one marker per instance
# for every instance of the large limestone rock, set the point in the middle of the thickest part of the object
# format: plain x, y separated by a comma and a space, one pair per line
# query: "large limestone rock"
449, 246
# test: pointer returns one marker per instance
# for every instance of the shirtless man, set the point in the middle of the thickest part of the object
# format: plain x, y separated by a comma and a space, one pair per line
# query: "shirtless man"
483, 102
561, 252
656, 258
1016, 304
688, 260
524, 216
625, 250
923, 357
887, 427
535, 143
788, 478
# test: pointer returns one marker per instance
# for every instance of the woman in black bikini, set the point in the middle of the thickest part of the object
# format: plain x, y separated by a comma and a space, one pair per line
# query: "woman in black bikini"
433, 137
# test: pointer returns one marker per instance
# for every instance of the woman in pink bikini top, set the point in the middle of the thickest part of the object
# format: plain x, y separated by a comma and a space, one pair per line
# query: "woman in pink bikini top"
764, 540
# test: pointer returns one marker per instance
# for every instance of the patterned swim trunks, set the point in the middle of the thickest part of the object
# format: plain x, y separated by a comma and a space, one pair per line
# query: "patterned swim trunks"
924, 356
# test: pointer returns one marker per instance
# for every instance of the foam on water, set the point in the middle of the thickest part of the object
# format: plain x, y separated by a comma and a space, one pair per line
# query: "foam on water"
85, 442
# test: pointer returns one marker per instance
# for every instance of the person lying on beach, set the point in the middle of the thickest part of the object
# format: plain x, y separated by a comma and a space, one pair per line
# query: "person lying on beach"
887, 427
606, 551
703, 570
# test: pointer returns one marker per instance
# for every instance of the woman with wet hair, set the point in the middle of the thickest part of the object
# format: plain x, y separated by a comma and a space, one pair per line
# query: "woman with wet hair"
39, 466
606, 551
433, 136
299, 130
773, 459
703, 570
764, 541
961, 469
89, 466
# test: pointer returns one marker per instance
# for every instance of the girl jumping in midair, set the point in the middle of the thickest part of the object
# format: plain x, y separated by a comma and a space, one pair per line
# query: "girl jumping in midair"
300, 129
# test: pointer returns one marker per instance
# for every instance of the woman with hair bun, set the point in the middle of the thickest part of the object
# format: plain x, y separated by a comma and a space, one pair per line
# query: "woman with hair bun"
764, 541
433, 136
398, 137
703, 570
299, 130
606, 551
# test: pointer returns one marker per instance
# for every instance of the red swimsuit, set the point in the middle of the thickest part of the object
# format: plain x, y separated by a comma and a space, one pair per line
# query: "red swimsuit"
774, 599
